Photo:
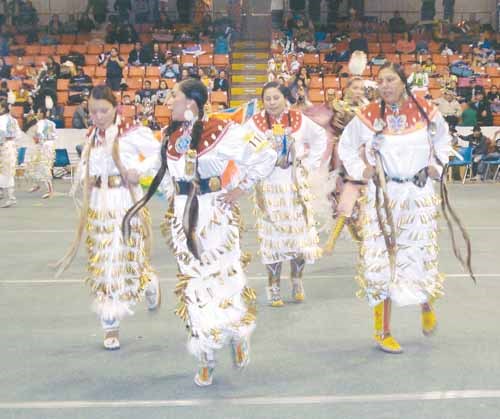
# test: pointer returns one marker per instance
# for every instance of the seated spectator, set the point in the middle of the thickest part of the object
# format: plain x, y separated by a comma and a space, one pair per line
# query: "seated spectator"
29, 114
157, 58
55, 26
447, 80
397, 24
294, 64
221, 82
138, 56
429, 67
20, 71
479, 144
126, 34
162, 93
146, 94
419, 79
492, 155
71, 25
406, 45
493, 94
469, 116
126, 100
482, 107
28, 15
80, 81
123, 7
185, 74
22, 95
4, 69
170, 70
4, 90
81, 117
449, 107
205, 79
114, 69
85, 24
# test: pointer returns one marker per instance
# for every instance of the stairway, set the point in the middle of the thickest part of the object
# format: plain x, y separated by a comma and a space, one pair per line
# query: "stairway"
248, 70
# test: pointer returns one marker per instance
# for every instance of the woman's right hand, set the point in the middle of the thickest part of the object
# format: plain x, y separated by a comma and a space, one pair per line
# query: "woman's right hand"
369, 172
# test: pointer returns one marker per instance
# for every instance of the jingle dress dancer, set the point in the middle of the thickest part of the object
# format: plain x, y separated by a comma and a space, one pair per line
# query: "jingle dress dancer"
9, 131
40, 157
119, 271
285, 220
397, 145
202, 224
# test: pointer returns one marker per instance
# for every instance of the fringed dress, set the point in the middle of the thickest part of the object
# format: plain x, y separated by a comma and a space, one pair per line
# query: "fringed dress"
118, 271
40, 156
212, 291
407, 148
285, 218
9, 130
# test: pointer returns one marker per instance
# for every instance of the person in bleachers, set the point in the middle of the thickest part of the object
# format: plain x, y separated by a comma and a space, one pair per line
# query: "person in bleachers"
22, 95
483, 109
449, 107
358, 44
79, 85
141, 9
162, 93
493, 94
126, 100
163, 23
138, 56
205, 79
157, 58
71, 25
221, 82
493, 155
469, 116
147, 94
126, 34
81, 117
406, 45
419, 79
4, 90
4, 69
98, 9
114, 69
447, 80
20, 71
429, 67
185, 74
29, 114
124, 8
170, 70
294, 64
397, 24
55, 26
5, 41
53, 65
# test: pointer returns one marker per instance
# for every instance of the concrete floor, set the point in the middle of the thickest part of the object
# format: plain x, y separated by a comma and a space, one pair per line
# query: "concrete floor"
315, 359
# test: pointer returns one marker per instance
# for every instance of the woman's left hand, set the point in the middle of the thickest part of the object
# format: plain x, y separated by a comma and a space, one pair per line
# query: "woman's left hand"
232, 196
132, 176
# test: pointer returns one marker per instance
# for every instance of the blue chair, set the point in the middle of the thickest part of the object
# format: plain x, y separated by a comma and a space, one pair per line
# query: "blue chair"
492, 163
466, 153
62, 161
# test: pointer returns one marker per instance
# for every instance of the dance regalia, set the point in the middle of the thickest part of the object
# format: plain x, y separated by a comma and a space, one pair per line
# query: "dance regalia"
118, 271
40, 157
407, 274
286, 225
9, 130
204, 234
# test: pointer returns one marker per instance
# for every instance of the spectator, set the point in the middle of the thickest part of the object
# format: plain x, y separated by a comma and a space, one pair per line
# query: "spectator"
29, 114
419, 79
449, 108
406, 45
5, 41
304, 76
20, 71
163, 23
170, 70
99, 10
127, 34
397, 24
429, 67
4, 69
205, 79
493, 94
126, 100
138, 56
71, 25
479, 144
81, 117
358, 44
146, 94
221, 82
114, 69
447, 80
162, 93
157, 58
294, 64
482, 107
4, 90
492, 155
469, 116
448, 6
51, 64
80, 82
22, 95
185, 74
55, 26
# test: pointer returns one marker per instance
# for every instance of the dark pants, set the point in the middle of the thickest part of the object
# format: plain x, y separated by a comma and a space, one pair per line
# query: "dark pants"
114, 83
483, 164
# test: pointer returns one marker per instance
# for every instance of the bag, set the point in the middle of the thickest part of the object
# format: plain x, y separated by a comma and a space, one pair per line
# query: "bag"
75, 57
461, 69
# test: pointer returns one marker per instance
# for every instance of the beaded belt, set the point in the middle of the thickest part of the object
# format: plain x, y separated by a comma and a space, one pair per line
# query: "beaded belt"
207, 185
419, 179
113, 181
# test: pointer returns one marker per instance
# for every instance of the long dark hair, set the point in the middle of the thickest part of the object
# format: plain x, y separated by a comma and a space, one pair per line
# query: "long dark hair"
401, 74
285, 91
192, 89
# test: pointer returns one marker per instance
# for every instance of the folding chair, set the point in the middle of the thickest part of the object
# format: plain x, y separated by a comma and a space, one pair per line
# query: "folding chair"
62, 164
466, 153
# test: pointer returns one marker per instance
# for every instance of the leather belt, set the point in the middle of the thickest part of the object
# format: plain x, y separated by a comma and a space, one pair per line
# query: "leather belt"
207, 185
114, 181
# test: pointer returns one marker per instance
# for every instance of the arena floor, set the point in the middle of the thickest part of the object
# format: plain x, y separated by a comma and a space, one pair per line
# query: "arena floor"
314, 360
